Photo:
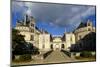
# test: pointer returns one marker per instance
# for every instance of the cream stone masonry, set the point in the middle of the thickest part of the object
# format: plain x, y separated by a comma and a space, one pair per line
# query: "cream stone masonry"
83, 31
44, 41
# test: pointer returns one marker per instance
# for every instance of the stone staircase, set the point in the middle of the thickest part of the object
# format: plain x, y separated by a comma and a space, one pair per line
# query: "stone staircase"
57, 57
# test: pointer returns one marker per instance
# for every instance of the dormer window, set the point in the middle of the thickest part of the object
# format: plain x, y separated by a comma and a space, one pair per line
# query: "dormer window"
31, 37
89, 24
32, 25
89, 29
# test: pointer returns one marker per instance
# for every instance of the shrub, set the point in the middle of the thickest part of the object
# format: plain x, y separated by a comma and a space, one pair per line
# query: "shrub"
25, 57
46, 54
86, 54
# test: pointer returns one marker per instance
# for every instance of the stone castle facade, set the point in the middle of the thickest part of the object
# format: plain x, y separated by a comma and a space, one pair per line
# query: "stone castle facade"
44, 40
83, 29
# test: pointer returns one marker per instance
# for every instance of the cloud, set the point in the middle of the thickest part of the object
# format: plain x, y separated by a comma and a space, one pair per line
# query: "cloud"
55, 14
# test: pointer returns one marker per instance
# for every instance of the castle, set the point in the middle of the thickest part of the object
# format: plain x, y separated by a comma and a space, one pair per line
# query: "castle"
45, 41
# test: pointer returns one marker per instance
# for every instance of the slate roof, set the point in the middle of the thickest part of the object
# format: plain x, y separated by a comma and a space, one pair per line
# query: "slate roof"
81, 25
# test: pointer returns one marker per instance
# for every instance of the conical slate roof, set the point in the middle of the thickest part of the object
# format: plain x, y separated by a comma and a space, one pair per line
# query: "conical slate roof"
82, 25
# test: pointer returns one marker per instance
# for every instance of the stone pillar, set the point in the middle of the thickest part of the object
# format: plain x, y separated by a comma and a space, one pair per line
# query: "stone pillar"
17, 57
72, 55
77, 54
93, 53
32, 56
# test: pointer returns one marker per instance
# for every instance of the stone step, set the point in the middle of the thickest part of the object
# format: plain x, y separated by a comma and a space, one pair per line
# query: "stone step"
57, 56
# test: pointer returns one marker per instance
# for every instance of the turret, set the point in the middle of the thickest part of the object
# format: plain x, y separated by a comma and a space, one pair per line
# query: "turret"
29, 21
89, 23
32, 22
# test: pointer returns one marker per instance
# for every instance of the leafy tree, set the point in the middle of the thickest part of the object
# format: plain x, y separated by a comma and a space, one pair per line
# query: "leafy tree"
16, 38
88, 43
20, 46
21, 49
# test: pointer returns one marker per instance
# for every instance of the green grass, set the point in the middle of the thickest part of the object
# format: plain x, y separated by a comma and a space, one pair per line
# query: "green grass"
86, 58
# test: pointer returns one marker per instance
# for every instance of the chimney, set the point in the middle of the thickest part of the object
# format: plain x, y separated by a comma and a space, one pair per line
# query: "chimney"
25, 19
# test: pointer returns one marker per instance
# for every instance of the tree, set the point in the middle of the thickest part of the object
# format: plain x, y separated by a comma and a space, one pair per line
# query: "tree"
88, 43
20, 46
21, 49
16, 38
76, 47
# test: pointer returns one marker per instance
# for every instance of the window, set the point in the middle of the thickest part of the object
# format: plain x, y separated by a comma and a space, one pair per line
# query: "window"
62, 46
71, 39
31, 37
43, 46
89, 29
89, 24
32, 25
31, 30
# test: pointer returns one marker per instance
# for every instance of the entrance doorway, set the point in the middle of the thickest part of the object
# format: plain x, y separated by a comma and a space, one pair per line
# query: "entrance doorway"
62, 46
57, 47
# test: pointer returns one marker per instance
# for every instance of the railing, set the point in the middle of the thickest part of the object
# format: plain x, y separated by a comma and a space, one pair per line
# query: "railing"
40, 56
47, 53
66, 52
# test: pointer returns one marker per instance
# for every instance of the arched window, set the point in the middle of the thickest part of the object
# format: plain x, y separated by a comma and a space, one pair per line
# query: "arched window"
31, 37
89, 24
32, 24
89, 29
62, 46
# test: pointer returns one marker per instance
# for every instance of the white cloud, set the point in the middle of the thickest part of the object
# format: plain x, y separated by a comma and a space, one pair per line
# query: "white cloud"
59, 15
89, 11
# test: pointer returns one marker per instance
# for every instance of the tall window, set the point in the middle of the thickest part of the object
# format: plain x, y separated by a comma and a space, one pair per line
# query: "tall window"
31, 37
71, 39
89, 29
62, 46
43, 46
89, 24
31, 30
32, 25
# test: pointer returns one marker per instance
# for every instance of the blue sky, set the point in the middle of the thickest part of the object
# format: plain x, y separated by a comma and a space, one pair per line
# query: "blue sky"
54, 18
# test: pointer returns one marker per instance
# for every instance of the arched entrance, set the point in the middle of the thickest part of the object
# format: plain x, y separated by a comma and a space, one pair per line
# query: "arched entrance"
62, 46
57, 47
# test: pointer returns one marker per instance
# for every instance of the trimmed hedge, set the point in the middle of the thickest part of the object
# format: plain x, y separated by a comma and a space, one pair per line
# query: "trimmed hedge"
67, 53
25, 57
13, 57
86, 54
46, 54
